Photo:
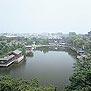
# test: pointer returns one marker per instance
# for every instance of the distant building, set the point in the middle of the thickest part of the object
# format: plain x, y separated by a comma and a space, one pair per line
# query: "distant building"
88, 35
29, 47
55, 41
72, 34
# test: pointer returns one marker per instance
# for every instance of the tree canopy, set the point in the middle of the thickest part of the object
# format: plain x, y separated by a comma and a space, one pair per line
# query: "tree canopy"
8, 83
81, 79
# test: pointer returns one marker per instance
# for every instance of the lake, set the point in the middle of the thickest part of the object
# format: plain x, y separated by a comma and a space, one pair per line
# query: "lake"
49, 66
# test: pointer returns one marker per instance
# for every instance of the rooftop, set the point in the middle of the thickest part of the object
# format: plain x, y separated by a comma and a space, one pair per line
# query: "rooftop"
28, 46
7, 57
17, 51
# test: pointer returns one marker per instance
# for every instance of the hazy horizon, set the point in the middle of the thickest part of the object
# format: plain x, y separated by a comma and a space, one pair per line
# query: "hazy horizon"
39, 16
39, 32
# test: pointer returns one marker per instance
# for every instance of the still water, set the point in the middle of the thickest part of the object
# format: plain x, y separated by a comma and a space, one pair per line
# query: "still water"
50, 67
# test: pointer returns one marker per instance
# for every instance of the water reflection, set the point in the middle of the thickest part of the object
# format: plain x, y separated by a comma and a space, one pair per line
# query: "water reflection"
12, 68
46, 49
30, 54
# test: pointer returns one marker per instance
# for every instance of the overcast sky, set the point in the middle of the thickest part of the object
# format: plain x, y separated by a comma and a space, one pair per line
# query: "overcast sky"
36, 16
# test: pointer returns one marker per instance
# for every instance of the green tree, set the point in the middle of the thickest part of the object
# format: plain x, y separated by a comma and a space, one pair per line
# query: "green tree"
8, 83
81, 79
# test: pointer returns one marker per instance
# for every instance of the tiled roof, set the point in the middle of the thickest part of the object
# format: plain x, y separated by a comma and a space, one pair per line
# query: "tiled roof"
7, 57
17, 51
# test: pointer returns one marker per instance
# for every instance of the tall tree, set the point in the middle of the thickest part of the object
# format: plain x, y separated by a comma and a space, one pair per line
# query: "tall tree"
81, 79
